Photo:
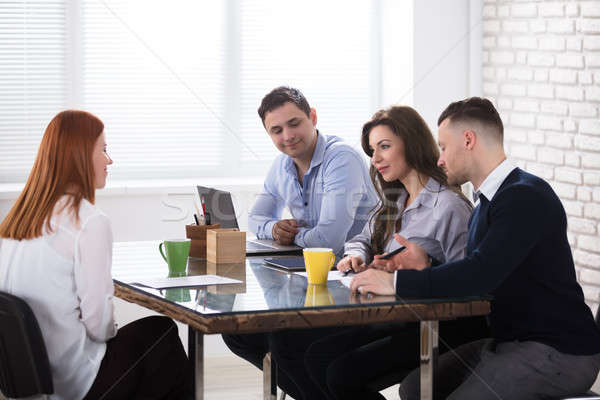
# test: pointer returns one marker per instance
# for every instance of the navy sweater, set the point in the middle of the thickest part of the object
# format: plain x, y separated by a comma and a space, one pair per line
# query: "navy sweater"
522, 257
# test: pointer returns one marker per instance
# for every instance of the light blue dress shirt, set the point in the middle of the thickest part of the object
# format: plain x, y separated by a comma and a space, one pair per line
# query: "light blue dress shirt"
333, 203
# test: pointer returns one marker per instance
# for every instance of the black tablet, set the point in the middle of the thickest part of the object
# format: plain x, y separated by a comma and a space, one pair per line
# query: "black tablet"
288, 263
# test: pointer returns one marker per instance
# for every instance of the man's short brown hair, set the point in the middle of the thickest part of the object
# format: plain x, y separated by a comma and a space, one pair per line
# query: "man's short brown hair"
278, 97
473, 109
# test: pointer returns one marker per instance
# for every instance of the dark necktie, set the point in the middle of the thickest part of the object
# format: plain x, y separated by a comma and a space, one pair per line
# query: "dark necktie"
478, 224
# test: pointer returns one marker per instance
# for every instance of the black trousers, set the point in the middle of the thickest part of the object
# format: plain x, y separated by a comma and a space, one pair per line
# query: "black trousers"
287, 350
145, 360
344, 363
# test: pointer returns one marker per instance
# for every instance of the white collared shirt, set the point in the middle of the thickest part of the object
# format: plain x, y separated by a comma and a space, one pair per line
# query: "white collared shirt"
64, 276
492, 182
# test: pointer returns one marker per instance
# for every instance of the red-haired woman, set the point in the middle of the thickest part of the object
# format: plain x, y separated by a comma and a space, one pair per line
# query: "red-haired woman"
56, 254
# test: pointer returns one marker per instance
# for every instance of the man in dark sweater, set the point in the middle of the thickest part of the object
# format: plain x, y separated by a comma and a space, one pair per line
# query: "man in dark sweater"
545, 343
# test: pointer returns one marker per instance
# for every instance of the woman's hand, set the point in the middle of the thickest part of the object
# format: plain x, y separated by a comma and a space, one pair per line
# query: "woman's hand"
353, 263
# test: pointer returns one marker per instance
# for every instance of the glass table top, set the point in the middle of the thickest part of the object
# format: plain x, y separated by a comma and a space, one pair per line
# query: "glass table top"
263, 288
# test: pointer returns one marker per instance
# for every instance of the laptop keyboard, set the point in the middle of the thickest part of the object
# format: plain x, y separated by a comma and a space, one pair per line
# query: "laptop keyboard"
257, 246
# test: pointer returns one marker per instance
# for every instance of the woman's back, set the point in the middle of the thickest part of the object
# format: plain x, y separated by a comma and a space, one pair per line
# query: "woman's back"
64, 276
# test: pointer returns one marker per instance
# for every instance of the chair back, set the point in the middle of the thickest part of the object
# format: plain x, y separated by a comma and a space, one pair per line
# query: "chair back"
24, 366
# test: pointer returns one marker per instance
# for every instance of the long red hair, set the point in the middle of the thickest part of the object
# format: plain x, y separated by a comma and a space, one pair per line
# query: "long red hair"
63, 165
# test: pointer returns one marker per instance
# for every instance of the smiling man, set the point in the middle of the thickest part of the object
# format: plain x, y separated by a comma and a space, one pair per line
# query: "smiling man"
325, 184
323, 181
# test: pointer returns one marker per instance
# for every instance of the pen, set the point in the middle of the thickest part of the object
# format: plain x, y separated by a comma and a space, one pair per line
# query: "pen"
197, 209
387, 256
196, 218
206, 218
346, 272
203, 206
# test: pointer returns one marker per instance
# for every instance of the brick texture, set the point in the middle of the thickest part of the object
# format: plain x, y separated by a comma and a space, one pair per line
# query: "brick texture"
543, 73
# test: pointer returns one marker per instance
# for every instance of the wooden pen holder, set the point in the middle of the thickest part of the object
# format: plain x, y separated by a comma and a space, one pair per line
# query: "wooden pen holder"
225, 246
197, 234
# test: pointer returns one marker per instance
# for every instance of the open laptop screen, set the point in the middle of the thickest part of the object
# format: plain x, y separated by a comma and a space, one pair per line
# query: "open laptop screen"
219, 205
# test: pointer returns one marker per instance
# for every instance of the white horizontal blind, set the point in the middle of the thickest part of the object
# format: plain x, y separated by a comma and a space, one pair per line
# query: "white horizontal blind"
323, 48
32, 79
153, 72
177, 83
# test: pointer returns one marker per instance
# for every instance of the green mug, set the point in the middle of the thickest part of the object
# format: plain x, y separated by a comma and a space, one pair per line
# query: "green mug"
177, 251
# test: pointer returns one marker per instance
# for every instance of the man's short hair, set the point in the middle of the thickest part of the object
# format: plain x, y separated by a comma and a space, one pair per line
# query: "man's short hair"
474, 109
278, 97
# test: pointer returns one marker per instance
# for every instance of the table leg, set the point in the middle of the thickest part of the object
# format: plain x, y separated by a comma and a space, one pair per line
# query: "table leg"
269, 378
429, 353
196, 356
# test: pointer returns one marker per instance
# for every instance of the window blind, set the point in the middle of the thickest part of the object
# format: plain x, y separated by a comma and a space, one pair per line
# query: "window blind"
153, 72
324, 48
178, 84
32, 82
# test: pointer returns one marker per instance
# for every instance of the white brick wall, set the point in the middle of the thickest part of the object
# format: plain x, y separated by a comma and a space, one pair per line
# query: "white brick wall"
542, 69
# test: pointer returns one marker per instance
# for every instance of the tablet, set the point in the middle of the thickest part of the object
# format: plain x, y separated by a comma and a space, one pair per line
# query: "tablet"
288, 263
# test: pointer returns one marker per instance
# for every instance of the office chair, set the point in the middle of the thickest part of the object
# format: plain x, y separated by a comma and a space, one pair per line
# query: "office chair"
24, 366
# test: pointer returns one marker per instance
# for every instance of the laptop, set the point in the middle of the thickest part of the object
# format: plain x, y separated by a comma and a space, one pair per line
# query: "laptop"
219, 206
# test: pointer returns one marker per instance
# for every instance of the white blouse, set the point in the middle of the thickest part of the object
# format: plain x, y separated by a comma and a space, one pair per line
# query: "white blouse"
65, 277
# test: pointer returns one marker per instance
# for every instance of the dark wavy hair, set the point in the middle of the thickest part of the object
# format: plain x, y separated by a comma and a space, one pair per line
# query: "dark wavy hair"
420, 152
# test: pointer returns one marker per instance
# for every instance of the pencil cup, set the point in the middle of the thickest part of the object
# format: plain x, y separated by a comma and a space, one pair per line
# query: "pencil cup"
225, 246
197, 233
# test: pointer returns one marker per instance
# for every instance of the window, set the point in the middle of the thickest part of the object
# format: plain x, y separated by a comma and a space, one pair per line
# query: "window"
33, 80
177, 83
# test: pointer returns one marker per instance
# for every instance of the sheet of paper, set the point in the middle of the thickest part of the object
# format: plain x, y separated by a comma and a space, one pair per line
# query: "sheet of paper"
335, 276
185, 281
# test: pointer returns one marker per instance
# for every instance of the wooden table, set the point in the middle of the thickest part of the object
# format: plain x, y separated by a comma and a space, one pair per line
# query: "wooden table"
270, 300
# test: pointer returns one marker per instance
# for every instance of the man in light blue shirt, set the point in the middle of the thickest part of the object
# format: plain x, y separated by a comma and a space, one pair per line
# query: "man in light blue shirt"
323, 181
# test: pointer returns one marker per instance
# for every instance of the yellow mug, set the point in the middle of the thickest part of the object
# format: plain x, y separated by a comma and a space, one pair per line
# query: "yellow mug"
318, 295
318, 262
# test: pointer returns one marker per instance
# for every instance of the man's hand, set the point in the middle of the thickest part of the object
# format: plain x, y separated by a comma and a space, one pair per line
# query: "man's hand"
351, 262
373, 281
414, 257
357, 298
285, 231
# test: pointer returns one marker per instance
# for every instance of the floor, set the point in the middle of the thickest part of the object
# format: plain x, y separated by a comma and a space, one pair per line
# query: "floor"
221, 371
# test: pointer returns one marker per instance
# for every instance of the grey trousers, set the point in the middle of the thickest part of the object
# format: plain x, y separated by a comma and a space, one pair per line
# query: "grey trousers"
484, 370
